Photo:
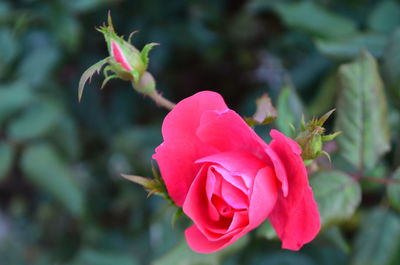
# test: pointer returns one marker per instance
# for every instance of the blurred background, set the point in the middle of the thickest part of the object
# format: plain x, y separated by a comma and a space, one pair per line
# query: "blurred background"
62, 200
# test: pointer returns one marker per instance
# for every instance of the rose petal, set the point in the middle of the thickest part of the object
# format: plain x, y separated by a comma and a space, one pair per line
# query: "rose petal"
196, 207
210, 186
295, 217
263, 197
228, 132
279, 170
234, 161
198, 242
119, 56
233, 196
206, 236
240, 220
235, 180
181, 146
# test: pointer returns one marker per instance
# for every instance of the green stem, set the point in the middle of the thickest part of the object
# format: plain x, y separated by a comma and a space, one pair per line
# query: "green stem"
160, 100
147, 87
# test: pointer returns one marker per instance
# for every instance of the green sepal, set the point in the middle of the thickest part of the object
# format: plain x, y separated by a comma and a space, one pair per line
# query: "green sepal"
144, 54
179, 213
325, 117
87, 75
136, 76
152, 185
131, 35
108, 78
326, 155
330, 137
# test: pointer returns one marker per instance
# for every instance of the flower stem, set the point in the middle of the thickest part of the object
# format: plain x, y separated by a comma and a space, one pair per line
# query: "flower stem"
160, 100
359, 177
147, 87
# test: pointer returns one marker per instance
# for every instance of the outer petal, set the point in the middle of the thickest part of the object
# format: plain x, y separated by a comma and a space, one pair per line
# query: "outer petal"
198, 242
228, 132
176, 156
295, 217
263, 197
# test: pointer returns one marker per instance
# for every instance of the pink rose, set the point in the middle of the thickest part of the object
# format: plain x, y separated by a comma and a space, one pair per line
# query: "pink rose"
228, 180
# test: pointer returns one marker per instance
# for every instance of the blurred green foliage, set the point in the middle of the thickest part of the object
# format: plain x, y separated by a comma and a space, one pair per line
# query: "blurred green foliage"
62, 200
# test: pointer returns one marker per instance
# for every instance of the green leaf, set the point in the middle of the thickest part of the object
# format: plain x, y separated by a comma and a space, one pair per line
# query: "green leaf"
6, 159
43, 167
337, 195
385, 17
391, 66
184, 255
14, 97
144, 54
335, 237
103, 257
327, 94
282, 257
5, 8
378, 241
289, 109
9, 49
67, 30
393, 190
87, 75
348, 48
65, 136
38, 64
36, 121
314, 19
362, 113
84, 5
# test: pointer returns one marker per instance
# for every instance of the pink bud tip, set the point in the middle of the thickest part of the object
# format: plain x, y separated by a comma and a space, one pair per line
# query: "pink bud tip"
119, 56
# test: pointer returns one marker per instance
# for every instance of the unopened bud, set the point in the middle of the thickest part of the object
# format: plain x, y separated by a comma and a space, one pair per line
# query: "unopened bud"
125, 62
311, 137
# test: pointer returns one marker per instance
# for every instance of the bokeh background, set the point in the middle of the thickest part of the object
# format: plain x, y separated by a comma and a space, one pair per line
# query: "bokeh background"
62, 200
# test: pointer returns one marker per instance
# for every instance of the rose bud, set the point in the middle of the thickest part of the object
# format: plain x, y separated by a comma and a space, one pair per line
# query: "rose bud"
126, 61
311, 138
228, 180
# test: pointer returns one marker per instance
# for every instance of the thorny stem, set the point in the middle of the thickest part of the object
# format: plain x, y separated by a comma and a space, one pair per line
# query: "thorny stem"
156, 97
358, 177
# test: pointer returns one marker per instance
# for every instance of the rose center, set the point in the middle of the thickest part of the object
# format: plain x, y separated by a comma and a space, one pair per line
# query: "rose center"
226, 194
222, 207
